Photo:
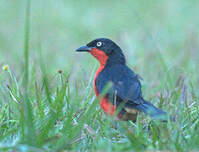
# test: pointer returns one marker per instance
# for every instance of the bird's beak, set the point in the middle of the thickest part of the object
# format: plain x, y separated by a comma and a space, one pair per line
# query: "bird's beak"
84, 48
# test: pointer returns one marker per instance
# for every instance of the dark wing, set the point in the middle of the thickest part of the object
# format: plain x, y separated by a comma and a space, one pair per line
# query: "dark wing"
125, 83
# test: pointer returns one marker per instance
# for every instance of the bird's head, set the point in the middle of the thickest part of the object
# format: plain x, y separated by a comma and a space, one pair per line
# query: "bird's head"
105, 51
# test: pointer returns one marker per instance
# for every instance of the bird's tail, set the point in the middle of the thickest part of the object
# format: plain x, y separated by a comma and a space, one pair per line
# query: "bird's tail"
152, 111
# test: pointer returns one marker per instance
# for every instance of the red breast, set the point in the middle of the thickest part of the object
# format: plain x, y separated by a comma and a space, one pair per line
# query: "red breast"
104, 103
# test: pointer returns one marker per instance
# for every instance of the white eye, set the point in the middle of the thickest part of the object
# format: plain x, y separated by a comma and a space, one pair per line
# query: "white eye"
99, 44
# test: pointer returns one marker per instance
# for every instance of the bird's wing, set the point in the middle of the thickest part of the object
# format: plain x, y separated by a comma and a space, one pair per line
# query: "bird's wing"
125, 83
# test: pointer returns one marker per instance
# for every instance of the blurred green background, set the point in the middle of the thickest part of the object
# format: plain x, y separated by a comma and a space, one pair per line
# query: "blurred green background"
141, 28
159, 39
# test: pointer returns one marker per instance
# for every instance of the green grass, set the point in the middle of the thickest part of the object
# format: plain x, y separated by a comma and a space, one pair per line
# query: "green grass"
42, 109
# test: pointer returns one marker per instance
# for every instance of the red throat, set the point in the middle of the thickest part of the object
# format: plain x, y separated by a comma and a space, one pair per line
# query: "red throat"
100, 56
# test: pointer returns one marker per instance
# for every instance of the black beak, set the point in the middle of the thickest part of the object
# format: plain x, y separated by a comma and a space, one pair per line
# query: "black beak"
84, 49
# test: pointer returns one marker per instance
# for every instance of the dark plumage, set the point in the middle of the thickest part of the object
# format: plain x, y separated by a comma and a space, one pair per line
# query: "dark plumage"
125, 90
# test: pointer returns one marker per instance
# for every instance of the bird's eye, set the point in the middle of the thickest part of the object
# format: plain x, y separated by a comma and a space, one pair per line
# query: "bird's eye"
99, 44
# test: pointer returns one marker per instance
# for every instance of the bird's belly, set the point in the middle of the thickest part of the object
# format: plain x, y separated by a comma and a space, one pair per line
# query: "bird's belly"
109, 109
128, 116
107, 106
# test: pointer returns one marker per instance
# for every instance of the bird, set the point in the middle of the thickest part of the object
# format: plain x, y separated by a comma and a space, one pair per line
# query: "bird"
124, 94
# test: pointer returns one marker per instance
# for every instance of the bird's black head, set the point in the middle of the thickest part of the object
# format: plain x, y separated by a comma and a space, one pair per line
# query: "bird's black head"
105, 50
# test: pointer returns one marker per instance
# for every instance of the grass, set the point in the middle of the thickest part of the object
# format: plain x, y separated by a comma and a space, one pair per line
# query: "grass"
46, 93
